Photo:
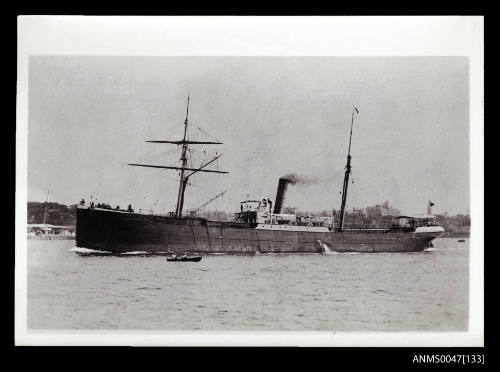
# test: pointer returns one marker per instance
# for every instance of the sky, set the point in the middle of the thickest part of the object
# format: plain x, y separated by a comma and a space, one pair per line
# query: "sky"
90, 115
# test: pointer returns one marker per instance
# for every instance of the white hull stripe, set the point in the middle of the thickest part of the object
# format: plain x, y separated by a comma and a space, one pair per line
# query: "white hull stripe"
292, 228
429, 229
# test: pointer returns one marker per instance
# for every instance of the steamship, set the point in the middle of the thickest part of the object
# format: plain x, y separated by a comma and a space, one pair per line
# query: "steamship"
256, 228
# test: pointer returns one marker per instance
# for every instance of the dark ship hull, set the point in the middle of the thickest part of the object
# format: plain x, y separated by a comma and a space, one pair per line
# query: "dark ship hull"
118, 232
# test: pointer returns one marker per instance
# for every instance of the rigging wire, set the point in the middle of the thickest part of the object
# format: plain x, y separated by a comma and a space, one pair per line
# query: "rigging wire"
208, 134
254, 151
194, 125
153, 157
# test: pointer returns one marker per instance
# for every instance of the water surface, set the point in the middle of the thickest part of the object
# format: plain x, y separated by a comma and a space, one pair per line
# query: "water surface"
425, 291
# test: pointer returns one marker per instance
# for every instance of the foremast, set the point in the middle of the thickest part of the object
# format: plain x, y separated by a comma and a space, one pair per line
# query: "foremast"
183, 179
346, 175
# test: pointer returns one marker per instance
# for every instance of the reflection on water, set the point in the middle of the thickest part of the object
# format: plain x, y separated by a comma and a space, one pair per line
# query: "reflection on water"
425, 291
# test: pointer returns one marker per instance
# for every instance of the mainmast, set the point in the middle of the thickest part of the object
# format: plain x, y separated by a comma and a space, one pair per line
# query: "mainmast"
346, 176
183, 168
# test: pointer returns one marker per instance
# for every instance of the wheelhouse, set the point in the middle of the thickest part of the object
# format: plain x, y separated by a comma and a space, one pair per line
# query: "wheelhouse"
252, 211
415, 221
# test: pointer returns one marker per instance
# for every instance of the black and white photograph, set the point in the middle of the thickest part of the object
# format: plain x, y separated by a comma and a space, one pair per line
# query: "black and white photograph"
253, 180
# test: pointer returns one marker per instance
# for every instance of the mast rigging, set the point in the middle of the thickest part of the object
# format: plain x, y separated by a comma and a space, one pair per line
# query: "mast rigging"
209, 201
346, 175
188, 142
183, 179
178, 168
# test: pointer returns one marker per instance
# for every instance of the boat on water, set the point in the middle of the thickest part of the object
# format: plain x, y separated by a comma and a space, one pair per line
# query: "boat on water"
257, 228
185, 259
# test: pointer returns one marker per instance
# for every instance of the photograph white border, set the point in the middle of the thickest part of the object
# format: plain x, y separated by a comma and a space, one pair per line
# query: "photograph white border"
255, 36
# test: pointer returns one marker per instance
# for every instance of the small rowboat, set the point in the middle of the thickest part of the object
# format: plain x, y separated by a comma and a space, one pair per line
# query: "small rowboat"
185, 259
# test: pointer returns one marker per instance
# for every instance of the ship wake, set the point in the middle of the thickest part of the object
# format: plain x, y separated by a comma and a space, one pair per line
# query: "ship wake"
89, 252
326, 249
94, 252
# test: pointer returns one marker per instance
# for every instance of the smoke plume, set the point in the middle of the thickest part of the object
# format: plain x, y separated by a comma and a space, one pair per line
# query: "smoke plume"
295, 179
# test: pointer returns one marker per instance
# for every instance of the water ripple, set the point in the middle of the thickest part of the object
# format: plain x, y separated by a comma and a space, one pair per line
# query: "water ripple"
263, 292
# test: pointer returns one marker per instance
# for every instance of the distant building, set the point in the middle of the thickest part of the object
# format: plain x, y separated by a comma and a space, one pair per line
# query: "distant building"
381, 214
45, 229
381, 210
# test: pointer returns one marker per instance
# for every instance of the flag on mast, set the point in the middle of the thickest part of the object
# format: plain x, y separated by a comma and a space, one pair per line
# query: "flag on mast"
357, 112
429, 207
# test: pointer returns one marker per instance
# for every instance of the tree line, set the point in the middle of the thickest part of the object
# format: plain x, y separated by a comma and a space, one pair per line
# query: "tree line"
57, 214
